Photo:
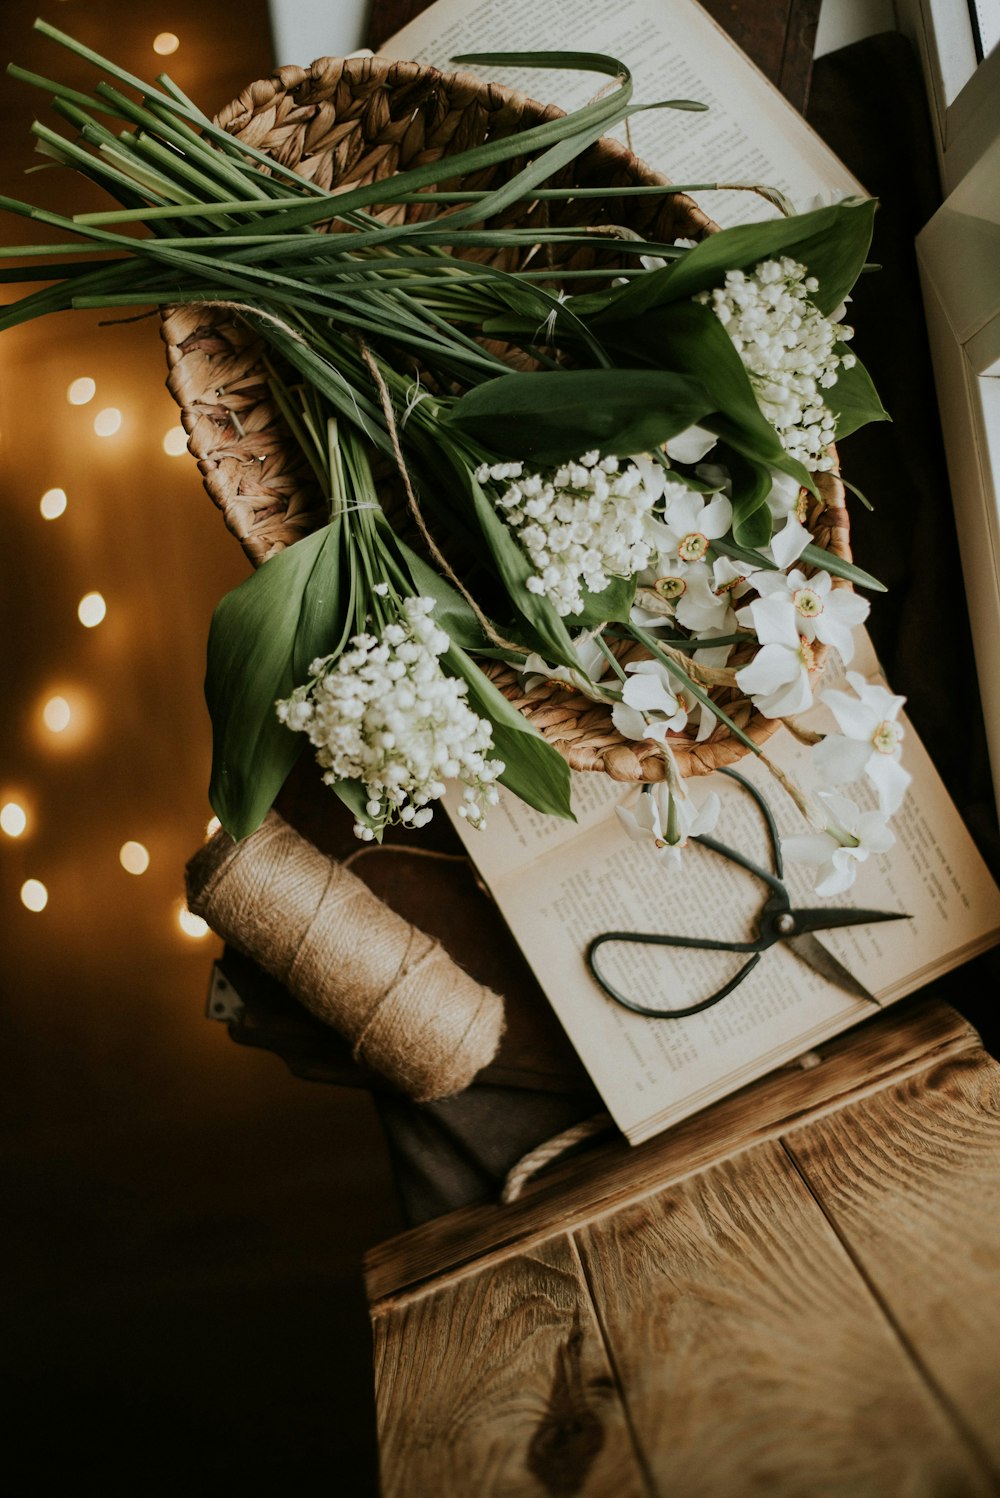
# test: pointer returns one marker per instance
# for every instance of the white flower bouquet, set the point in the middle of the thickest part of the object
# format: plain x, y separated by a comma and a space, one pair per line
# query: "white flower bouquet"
611, 429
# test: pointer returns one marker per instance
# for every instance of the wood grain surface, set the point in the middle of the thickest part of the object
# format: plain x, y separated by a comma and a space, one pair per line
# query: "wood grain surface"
750, 1353
913, 1037
499, 1387
911, 1179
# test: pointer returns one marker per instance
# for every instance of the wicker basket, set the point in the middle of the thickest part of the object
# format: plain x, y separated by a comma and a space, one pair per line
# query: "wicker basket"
346, 122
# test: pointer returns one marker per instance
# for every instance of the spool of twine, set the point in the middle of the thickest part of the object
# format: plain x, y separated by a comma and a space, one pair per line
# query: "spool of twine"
409, 1012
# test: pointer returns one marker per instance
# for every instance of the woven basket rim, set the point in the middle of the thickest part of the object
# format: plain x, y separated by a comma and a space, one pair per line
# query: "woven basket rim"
237, 431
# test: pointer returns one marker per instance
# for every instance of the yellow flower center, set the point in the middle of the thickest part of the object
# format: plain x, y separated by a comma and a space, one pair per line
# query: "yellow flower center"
808, 602
692, 547
670, 588
886, 737
807, 653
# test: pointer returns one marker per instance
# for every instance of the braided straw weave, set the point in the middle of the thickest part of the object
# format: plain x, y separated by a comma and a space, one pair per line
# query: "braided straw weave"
347, 122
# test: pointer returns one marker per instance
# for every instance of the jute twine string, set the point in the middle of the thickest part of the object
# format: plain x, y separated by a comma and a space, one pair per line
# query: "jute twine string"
409, 1012
552, 1149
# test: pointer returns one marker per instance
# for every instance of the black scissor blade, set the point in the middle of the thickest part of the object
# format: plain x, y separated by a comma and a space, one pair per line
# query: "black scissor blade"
833, 917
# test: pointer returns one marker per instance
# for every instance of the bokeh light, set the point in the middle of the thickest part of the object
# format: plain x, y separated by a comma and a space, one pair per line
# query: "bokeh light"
52, 503
13, 818
81, 391
91, 610
165, 43
34, 895
134, 857
108, 421
57, 714
191, 924
175, 442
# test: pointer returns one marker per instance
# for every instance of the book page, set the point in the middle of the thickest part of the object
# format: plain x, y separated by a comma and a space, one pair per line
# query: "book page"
560, 889
674, 49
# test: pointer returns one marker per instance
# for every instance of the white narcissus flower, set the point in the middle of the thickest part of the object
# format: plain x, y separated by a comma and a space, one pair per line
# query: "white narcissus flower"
705, 605
778, 678
689, 526
666, 821
650, 708
788, 544
690, 446
869, 742
850, 838
593, 664
822, 612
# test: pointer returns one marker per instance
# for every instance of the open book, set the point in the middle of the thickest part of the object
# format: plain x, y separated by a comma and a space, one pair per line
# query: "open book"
558, 885
674, 49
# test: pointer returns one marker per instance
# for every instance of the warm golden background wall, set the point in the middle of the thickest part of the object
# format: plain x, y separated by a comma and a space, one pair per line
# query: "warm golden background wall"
183, 1220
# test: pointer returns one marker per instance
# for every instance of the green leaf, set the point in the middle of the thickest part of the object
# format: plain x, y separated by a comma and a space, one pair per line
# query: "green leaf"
815, 556
451, 611
854, 399
257, 631
324, 614
611, 606
751, 485
833, 242
688, 338
552, 417
515, 569
534, 770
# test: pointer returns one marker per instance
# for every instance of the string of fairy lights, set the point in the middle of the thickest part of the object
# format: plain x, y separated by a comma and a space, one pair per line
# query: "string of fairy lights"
59, 714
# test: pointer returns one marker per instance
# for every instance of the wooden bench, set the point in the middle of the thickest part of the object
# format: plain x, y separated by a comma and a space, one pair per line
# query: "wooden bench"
793, 1293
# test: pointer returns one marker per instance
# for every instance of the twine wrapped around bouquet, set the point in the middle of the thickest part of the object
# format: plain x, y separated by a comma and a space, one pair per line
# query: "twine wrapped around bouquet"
344, 123
408, 1010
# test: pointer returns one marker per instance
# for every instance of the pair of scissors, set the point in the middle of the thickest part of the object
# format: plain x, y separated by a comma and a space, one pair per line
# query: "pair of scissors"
778, 921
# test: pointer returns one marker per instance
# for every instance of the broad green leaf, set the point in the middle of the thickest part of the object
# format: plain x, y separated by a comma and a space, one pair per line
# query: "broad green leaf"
325, 613
252, 643
534, 770
751, 486
854, 399
688, 338
552, 417
833, 242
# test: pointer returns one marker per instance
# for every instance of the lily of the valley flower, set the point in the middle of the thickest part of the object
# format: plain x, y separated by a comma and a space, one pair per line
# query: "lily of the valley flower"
821, 611
869, 742
665, 820
778, 678
851, 836
650, 708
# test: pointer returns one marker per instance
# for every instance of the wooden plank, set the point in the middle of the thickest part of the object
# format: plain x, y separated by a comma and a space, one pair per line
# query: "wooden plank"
499, 1386
750, 1353
912, 1036
910, 1179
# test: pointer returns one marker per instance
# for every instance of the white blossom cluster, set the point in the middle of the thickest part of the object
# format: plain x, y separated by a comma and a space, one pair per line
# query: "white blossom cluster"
788, 349
580, 525
385, 713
